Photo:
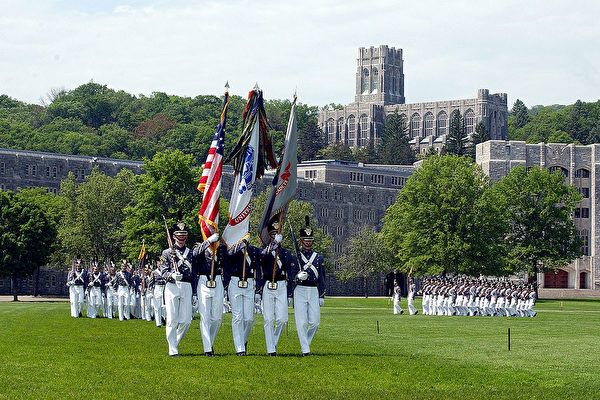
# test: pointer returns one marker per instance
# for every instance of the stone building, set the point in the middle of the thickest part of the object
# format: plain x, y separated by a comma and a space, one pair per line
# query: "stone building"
380, 92
345, 195
581, 167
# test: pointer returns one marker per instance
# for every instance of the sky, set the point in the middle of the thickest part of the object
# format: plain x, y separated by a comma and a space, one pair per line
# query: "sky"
542, 52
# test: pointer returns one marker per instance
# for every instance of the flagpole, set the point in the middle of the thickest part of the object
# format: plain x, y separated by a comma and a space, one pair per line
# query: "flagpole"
277, 249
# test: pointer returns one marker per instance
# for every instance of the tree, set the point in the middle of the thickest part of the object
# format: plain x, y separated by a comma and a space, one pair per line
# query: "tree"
538, 208
366, 154
310, 140
394, 147
521, 115
479, 136
26, 237
364, 257
456, 141
167, 188
92, 223
443, 221
337, 151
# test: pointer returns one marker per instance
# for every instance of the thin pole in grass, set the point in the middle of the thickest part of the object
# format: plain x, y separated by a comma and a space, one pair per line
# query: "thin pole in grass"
377, 326
508, 342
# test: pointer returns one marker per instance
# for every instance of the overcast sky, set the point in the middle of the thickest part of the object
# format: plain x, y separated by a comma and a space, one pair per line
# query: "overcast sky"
543, 52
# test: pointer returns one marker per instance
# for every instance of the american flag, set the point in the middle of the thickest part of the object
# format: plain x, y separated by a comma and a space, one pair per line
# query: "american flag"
210, 181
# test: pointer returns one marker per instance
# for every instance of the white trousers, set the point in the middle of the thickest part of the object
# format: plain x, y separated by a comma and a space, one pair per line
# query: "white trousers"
76, 294
275, 313
123, 302
147, 301
211, 310
178, 304
412, 310
425, 304
397, 309
95, 302
111, 302
307, 314
242, 311
134, 303
157, 303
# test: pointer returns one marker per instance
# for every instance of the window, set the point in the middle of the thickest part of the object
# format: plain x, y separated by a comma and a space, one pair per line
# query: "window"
371, 215
398, 181
415, 125
324, 194
356, 177
339, 213
52, 190
53, 280
365, 81
324, 229
339, 230
27, 169
375, 178
585, 192
364, 131
442, 123
582, 173
2, 168
330, 130
324, 212
560, 169
351, 127
370, 197
310, 174
428, 124
337, 196
585, 239
583, 212
340, 129
375, 81
357, 197
338, 248
48, 172
358, 214
469, 121
54, 172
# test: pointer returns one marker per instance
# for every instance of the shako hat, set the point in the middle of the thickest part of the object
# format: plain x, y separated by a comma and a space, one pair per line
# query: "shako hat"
306, 233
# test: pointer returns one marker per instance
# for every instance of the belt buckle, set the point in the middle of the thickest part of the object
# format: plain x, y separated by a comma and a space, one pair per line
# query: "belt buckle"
242, 284
211, 284
272, 285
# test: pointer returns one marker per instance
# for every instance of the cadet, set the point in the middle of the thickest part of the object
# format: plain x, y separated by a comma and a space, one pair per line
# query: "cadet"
412, 290
177, 272
95, 287
276, 291
158, 302
76, 282
240, 275
111, 292
147, 293
210, 291
123, 283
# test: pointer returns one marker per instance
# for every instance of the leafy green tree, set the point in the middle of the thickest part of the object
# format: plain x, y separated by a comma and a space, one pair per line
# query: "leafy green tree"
520, 113
479, 136
366, 154
91, 225
364, 258
394, 147
456, 141
26, 236
337, 151
538, 207
167, 188
443, 221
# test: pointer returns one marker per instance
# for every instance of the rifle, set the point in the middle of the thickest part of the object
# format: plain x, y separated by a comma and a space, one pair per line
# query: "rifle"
171, 247
273, 285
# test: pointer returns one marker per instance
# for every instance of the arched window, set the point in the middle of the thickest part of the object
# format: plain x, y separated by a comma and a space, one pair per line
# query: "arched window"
428, 124
562, 170
365, 81
415, 125
469, 121
330, 130
364, 130
340, 129
442, 123
375, 81
351, 130
582, 173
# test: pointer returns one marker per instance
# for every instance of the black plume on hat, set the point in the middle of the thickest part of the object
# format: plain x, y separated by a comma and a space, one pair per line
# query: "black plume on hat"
180, 226
306, 232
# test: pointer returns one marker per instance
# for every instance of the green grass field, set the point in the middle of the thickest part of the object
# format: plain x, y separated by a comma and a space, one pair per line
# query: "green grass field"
47, 354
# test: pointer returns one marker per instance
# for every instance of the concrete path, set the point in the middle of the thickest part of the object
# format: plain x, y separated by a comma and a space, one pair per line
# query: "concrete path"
34, 299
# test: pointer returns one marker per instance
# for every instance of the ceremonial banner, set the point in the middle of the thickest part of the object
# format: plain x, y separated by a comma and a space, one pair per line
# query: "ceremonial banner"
142, 256
210, 181
285, 181
252, 153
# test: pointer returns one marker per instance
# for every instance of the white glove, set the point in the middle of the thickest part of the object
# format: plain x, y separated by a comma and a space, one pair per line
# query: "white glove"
257, 298
213, 238
290, 302
321, 302
278, 237
302, 275
90, 284
177, 276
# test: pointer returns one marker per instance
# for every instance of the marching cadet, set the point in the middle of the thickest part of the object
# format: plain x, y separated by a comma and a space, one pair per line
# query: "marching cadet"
309, 293
240, 276
111, 292
177, 272
276, 290
210, 292
412, 290
95, 287
396, 299
158, 282
147, 293
76, 281
123, 283
134, 293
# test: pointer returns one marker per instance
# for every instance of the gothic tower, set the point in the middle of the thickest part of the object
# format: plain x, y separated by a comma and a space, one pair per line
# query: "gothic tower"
380, 75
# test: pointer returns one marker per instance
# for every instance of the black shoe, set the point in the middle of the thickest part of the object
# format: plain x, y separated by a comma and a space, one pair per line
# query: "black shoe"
305, 354
240, 353
273, 354
416, 312
158, 326
173, 355
209, 354
401, 312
